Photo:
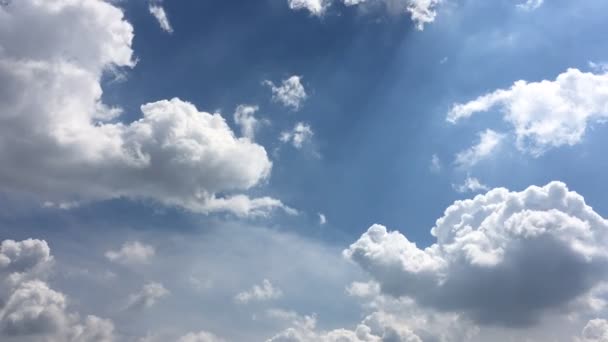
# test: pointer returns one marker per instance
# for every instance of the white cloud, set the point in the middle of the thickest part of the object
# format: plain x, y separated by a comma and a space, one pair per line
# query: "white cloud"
263, 292
530, 5
596, 330
471, 184
202, 336
421, 12
161, 16
147, 296
290, 93
298, 136
489, 141
322, 219
546, 114
132, 253
528, 253
245, 119
52, 113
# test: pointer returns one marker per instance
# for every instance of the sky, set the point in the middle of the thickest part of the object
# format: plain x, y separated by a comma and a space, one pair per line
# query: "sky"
303, 170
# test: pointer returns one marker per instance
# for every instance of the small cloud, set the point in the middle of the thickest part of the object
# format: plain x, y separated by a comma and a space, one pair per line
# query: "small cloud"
471, 184
245, 119
259, 293
147, 297
435, 166
131, 253
290, 93
489, 141
161, 16
322, 219
530, 5
298, 136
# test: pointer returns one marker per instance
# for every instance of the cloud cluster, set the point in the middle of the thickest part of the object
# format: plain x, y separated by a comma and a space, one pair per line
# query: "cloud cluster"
421, 12
545, 114
30, 308
52, 119
298, 136
543, 246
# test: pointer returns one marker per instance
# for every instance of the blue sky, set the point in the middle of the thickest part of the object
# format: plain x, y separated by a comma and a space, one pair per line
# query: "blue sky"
153, 208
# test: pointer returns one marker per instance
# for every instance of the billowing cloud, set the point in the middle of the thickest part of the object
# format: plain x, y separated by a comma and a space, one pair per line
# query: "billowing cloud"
161, 16
131, 253
489, 141
148, 296
52, 118
527, 253
263, 292
290, 93
298, 136
421, 12
546, 114
596, 330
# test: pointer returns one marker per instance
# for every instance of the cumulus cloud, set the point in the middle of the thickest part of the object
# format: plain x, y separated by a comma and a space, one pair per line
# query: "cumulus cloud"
489, 141
421, 12
245, 119
132, 253
30, 308
471, 184
161, 16
53, 119
528, 253
546, 114
290, 93
147, 296
263, 292
201, 336
298, 136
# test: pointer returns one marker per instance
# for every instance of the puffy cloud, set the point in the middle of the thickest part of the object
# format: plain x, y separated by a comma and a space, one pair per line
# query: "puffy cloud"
528, 253
263, 292
147, 296
530, 5
23, 256
596, 330
132, 253
290, 93
421, 11
489, 141
546, 114
202, 336
298, 136
471, 184
243, 117
52, 118
161, 16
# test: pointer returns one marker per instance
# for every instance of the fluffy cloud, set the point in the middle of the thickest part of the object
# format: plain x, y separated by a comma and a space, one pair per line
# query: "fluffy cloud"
147, 296
471, 184
51, 113
263, 292
298, 136
290, 93
546, 114
421, 11
132, 253
31, 308
161, 16
489, 141
527, 253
